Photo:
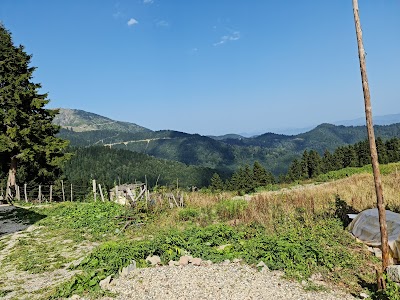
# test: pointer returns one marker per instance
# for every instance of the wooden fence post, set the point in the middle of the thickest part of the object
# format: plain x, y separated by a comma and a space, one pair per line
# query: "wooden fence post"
101, 193
26, 196
372, 145
40, 194
17, 194
94, 189
51, 193
62, 188
71, 193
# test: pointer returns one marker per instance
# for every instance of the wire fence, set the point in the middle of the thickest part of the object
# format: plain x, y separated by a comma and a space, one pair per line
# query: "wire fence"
59, 191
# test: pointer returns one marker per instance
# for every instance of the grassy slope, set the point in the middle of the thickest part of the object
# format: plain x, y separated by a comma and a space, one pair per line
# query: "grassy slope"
295, 230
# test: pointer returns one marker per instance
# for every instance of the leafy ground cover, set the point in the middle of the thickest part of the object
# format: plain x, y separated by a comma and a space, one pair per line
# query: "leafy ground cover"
297, 230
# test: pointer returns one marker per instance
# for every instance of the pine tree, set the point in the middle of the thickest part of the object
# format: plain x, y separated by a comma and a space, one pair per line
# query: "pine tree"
327, 162
27, 135
382, 151
314, 164
295, 171
216, 183
261, 176
304, 165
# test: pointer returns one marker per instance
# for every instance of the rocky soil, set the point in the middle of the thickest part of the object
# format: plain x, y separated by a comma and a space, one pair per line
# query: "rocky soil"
217, 281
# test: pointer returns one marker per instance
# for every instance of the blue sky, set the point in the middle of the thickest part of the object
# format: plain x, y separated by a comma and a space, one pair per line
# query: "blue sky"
211, 66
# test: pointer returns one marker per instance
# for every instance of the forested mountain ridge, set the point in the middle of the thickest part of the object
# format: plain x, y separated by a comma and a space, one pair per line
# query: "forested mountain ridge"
110, 165
274, 151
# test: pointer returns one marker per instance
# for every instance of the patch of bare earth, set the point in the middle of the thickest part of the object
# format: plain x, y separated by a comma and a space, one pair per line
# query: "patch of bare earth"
18, 284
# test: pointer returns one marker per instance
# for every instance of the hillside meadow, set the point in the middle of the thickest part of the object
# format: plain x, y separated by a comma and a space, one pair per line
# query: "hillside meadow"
297, 228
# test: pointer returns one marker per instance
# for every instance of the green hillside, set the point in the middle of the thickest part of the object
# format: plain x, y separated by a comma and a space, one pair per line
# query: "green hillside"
274, 151
109, 166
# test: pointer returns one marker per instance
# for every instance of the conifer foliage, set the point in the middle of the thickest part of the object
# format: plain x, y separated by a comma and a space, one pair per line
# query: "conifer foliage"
27, 135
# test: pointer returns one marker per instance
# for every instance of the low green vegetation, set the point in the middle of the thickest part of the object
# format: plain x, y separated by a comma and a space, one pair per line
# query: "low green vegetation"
297, 248
292, 237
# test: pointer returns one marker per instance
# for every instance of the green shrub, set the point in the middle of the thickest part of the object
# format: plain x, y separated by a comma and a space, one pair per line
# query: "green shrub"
231, 209
187, 214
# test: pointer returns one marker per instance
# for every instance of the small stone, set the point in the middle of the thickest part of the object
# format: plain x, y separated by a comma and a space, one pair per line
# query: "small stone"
124, 271
184, 261
173, 263
153, 260
226, 262
131, 267
190, 258
196, 261
105, 282
261, 264
206, 263
364, 295
75, 297
236, 260
378, 252
393, 273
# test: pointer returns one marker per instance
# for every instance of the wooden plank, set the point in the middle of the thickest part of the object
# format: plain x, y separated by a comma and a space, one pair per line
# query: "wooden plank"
62, 188
26, 196
40, 194
94, 190
130, 194
101, 193
140, 194
176, 203
17, 194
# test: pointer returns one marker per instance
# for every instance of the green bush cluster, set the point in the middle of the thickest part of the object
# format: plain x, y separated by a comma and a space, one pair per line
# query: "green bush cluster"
297, 249
90, 220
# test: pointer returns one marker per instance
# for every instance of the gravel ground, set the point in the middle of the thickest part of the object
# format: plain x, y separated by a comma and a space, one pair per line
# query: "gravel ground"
8, 224
233, 281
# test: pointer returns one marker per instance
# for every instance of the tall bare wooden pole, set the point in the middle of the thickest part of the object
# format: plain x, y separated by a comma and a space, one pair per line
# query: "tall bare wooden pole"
371, 138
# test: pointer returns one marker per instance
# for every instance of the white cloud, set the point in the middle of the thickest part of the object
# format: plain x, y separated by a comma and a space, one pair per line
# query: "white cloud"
117, 15
162, 23
148, 1
228, 38
132, 22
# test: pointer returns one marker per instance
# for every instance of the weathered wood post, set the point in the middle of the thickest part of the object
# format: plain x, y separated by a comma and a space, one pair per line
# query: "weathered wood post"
51, 193
372, 145
17, 193
101, 193
25, 195
62, 189
72, 198
94, 189
40, 194
116, 193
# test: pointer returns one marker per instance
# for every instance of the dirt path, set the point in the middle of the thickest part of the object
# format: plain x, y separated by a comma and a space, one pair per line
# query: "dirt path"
16, 236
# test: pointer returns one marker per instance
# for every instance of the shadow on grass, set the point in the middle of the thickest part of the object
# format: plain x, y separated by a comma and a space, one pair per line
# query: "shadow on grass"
13, 219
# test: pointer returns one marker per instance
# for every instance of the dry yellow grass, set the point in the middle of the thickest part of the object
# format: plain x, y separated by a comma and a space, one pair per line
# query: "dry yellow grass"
358, 191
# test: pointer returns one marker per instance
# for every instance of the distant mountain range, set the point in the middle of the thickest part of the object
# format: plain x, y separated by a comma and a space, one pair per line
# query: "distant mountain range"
81, 121
378, 120
223, 153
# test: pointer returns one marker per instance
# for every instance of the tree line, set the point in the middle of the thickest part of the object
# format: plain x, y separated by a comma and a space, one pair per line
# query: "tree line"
244, 180
312, 164
309, 165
